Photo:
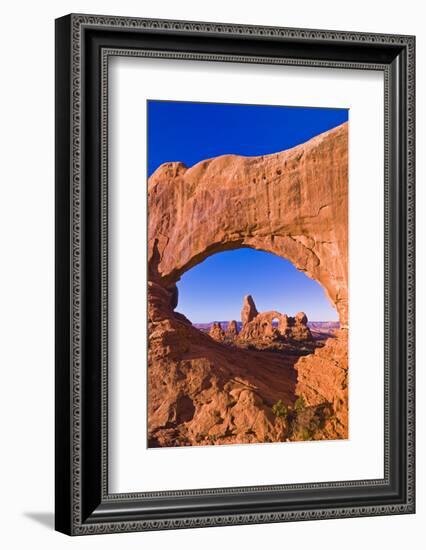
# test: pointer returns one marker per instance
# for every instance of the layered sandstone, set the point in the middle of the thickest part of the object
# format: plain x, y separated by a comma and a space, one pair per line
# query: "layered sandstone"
293, 204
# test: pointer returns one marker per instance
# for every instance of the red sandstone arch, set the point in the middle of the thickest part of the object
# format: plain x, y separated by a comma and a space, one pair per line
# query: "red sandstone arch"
293, 204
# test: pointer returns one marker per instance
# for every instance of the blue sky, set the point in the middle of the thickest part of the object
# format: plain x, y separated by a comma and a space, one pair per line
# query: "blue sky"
214, 289
190, 132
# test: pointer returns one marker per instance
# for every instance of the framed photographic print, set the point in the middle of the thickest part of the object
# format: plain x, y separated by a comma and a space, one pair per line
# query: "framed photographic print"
234, 274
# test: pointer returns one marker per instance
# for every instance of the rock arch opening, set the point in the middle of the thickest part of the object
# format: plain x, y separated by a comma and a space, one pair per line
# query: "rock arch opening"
293, 205
299, 214
247, 295
229, 275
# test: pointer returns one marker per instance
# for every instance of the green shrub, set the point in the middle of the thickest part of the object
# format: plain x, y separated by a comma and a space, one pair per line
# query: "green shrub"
306, 435
299, 404
280, 410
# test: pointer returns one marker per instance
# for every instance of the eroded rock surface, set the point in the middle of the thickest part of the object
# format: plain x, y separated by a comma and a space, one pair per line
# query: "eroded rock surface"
232, 330
216, 332
293, 204
204, 392
273, 325
249, 311
323, 378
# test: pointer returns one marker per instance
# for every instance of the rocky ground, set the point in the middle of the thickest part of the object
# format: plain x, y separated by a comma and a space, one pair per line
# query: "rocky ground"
208, 392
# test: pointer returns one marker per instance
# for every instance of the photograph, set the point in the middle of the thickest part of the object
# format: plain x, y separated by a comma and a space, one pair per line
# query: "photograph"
248, 314
234, 272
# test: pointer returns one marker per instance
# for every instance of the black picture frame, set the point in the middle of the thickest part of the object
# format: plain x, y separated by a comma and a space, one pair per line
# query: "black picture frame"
83, 504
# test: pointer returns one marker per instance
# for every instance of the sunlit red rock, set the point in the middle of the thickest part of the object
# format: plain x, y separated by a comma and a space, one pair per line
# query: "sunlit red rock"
272, 325
216, 332
293, 204
249, 311
232, 330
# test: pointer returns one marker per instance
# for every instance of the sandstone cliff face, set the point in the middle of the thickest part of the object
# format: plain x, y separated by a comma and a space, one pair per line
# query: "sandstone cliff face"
323, 378
293, 204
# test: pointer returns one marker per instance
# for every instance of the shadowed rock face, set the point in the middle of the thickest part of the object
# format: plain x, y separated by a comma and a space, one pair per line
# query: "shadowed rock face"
293, 204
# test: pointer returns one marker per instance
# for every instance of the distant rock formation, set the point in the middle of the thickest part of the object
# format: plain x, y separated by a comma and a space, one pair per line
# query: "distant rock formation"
232, 330
272, 325
249, 311
216, 332
299, 327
